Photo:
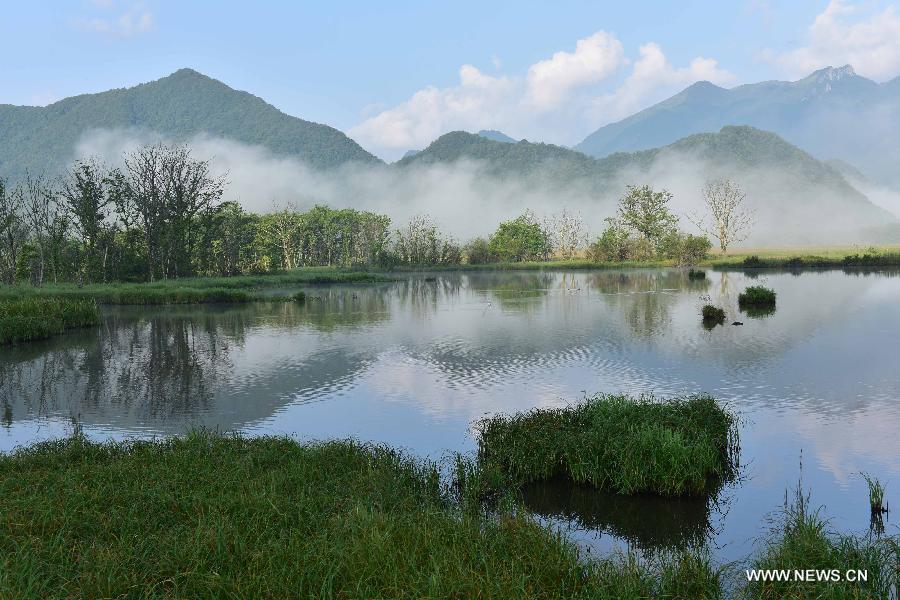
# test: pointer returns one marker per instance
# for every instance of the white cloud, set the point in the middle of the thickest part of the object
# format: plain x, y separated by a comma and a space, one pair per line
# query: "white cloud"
560, 99
652, 77
133, 20
846, 34
595, 58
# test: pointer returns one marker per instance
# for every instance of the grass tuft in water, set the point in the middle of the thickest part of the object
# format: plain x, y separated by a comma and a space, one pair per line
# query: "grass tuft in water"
712, 315
756, 296
217, 516
876, 493
27, 319
681, 446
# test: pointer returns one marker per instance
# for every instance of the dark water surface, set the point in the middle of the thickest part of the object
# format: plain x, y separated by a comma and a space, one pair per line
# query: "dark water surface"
414, 363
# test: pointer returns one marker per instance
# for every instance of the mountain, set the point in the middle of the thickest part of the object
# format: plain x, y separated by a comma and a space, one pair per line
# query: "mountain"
832, 114
184, 104
497, 136
788, 188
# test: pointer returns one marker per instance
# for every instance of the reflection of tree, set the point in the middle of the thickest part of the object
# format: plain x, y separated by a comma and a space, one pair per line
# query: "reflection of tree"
327, 309
513, 290
644, 298
650, 523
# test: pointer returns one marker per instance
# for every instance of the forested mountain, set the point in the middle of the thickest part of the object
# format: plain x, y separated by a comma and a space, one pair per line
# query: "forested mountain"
184, 104
832, 113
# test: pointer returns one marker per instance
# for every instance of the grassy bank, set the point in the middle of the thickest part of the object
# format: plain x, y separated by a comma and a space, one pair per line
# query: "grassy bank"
193, 290
675, 447
208, 516
27, 319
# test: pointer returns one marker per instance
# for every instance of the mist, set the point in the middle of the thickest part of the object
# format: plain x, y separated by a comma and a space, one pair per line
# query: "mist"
465, 199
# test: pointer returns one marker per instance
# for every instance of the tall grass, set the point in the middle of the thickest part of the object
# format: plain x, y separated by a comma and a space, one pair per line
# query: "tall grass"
28, 319
712, 315
876, 493
801, 541
212, 516
680, 446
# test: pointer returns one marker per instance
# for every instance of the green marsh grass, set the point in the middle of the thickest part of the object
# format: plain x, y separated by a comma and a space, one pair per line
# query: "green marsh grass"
757, 296
696, 274
680, 446
876, 493
27, 319
801, 540
217, 516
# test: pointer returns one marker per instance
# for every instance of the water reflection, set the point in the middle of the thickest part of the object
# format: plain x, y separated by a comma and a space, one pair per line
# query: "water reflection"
646, 522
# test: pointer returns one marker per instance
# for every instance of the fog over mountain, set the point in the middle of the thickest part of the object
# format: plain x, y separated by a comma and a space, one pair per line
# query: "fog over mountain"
272, 159
832, 114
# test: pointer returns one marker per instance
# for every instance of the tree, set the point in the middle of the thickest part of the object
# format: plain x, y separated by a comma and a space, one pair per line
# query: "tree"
729, 221
567, 234
647, 212
13, 232
87, 193
165, 191
41, 216
521, 239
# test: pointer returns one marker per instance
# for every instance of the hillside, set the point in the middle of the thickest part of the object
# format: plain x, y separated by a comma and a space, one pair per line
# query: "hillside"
786, 186
497, 136
833, 114
181, 105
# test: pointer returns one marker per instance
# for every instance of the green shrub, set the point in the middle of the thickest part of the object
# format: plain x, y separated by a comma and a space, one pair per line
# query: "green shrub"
299, 297
713, 314
696, 274
674, 447
757, 295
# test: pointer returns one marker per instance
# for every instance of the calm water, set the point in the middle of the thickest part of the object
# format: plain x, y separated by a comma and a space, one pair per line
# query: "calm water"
414, 363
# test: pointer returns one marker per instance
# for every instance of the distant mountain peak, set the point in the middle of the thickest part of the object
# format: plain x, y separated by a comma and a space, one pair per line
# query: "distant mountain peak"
832, 73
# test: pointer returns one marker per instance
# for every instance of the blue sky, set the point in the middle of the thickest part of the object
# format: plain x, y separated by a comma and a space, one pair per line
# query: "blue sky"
396, 75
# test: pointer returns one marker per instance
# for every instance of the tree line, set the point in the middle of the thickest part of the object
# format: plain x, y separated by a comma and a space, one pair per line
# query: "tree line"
162, 216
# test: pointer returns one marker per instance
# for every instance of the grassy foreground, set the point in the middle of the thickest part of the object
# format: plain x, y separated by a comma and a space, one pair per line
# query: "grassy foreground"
26, 319
675, 447
213, 516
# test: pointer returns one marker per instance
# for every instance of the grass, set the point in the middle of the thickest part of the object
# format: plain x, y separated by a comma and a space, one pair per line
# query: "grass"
29, 319
712, 315
682, 446
192, 290
828, 257
757, 296
801, 541
876, 493
215, 516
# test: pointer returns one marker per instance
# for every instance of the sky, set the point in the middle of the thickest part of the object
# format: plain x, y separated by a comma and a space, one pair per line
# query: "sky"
396, 75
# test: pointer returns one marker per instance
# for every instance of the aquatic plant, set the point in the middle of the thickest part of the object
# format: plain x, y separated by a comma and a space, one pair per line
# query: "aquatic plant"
712, 315
876, 493
756, 296
28, 319
696, 274
299, 297
680, 446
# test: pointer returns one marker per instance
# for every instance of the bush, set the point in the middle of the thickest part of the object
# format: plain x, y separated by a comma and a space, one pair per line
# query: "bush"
696, 274
477, 252
757, 295
676, 447
299, 297
522, 239
713, 314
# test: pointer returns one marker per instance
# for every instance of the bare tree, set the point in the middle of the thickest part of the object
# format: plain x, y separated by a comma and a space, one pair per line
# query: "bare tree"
86, 192
729, 220
41, 216
567, 233
13, 232
165, 189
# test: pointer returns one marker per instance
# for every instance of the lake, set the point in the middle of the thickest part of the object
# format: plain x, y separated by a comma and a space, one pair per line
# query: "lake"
415, 362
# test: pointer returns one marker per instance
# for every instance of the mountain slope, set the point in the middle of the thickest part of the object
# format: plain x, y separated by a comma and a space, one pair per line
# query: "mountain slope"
788, 188
833, 113
181, 105
497, 136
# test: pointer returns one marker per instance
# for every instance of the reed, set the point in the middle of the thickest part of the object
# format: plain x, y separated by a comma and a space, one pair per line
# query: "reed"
27, 319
